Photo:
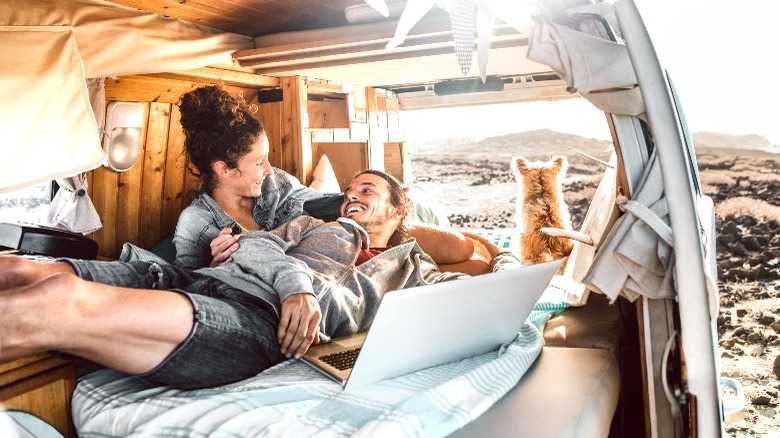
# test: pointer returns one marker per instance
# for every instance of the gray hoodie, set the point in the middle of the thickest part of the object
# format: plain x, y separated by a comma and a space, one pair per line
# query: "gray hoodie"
307, 255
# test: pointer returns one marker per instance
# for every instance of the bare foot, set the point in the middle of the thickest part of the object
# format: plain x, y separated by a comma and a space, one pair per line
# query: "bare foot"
20, 326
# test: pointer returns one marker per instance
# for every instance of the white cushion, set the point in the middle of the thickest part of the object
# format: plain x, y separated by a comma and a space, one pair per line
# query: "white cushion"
323, 177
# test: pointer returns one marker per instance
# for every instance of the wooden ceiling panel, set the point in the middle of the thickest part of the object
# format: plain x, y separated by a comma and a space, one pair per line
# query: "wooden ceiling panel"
251, 17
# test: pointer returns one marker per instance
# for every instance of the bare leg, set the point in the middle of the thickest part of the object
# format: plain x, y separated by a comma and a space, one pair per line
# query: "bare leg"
18, 271
130, 330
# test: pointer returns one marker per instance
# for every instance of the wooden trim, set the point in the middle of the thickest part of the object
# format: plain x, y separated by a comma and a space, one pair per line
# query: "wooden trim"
325, 88
24, 367
42, 385
153, 88
227, 77
296, 158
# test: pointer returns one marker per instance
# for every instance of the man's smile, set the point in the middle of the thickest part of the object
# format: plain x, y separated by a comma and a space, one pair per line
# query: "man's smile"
354, 207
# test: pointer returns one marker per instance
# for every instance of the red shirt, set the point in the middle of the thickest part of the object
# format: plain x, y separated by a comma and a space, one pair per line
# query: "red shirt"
367, 254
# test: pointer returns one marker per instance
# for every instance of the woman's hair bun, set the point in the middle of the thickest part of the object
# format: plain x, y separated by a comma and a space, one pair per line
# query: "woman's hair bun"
210, 109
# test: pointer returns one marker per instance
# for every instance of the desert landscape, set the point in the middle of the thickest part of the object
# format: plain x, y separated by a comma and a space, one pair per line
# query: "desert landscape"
741, 174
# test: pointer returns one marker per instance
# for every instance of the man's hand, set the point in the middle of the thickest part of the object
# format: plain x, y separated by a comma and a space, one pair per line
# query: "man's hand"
223, 246
299, 324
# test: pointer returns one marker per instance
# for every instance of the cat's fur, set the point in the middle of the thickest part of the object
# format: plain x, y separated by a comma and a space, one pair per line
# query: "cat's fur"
540, 204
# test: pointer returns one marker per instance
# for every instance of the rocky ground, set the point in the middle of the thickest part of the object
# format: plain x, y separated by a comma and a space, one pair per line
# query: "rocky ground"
477, 190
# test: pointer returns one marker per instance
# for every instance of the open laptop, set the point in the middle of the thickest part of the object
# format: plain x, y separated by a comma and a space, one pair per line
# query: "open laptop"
434, 324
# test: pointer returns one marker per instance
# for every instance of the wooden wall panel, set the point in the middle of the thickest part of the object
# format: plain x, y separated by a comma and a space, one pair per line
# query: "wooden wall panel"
173, 184
154, 172
347, 159
295, 159
270, 114
377, 136
104, 197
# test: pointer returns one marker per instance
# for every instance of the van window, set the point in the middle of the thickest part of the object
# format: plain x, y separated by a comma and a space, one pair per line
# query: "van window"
25, 205
461, 156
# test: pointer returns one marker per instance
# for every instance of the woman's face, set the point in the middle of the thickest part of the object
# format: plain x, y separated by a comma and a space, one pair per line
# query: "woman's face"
247, 179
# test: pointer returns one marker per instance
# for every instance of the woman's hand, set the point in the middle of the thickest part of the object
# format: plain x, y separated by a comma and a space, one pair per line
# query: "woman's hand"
299, 324
223, 247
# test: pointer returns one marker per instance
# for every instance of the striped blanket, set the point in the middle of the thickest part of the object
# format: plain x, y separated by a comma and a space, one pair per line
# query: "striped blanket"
292, 399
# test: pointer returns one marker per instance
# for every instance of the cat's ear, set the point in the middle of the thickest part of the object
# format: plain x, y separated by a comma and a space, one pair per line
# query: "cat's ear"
559, 164
520, 164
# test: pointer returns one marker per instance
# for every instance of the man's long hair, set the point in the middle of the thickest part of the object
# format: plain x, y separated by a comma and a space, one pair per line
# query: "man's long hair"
398, 199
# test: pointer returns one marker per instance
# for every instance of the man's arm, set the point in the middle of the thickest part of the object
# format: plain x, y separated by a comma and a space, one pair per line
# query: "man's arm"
444, 245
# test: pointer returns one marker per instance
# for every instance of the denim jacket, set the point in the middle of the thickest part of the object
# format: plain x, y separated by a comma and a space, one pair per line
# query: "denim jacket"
282, 198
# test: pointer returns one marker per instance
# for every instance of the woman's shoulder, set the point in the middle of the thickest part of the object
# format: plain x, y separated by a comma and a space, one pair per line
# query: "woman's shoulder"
198, 218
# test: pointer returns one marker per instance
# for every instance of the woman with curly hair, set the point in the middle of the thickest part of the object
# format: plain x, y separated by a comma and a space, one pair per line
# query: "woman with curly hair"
240, 190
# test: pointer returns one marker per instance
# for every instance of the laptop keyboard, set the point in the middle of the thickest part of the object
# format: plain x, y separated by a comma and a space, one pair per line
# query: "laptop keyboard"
342, 360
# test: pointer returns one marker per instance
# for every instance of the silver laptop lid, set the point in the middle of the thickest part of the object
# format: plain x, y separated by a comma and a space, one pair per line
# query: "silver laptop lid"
430, 325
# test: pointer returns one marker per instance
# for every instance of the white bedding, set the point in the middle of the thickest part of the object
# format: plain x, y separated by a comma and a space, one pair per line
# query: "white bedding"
291, 399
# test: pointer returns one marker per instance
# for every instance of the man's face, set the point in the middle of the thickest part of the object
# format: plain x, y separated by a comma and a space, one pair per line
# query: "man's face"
367, 202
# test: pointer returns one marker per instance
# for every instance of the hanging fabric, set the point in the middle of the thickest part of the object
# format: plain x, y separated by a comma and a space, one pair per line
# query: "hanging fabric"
72, 209
637, 257
583, 54
49, 130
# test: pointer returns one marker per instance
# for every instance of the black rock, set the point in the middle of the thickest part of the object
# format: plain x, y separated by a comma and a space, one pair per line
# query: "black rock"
751, 243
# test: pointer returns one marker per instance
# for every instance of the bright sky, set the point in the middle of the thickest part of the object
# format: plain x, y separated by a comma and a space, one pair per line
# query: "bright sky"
721, 57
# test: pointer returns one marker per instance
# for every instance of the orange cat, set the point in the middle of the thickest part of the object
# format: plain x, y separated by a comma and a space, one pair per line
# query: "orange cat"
540, 204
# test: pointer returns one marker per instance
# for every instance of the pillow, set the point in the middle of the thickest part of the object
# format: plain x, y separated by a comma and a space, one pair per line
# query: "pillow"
426, 208
323, 177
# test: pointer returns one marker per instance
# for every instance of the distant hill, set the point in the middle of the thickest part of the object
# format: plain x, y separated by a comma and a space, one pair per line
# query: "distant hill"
711, 140
541, 143
536, 144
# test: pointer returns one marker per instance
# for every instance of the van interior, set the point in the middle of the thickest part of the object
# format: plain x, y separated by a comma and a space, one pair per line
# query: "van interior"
332, 79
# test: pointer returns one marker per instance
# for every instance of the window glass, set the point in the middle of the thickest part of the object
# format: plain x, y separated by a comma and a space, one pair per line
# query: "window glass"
25, 205
691, 154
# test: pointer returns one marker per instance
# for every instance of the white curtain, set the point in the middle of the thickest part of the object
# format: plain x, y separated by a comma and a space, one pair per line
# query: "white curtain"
592, 65
637, 257
48, 128
48, 48
71, 209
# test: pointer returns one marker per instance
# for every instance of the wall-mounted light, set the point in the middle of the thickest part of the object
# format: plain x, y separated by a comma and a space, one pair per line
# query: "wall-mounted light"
122, 141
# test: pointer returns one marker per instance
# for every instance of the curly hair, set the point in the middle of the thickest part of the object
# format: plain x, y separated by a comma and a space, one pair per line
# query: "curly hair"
217, 127
398, 199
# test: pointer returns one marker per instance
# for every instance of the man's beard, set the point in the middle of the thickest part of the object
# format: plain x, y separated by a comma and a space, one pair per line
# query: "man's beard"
374, 223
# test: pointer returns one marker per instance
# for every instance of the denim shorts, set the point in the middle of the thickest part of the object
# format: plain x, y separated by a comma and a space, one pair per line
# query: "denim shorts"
233, 336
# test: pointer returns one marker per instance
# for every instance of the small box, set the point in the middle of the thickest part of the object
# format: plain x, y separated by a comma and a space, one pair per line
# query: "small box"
36, 239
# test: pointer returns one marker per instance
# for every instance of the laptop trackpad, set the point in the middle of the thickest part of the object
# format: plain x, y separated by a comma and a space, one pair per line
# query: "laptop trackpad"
352, 341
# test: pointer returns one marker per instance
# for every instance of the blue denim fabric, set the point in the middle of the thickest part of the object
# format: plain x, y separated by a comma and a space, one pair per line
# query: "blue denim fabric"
233, 335
283, 197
